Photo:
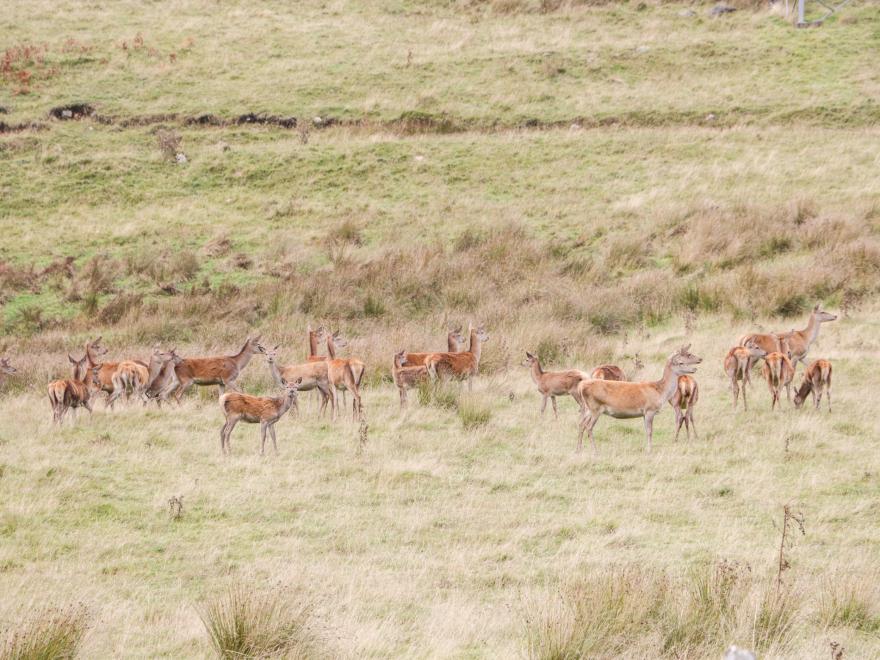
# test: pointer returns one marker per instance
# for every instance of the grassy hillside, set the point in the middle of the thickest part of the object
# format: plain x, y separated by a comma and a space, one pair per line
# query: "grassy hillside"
594, 181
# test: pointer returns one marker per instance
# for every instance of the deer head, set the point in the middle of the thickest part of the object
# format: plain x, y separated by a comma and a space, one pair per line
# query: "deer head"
338, 340
271, 353
683, 361
530, 360
400, 359
291, 389
79, 366
754, 350
822, 316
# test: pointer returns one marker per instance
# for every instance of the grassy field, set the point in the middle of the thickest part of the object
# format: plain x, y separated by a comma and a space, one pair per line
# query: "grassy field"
594, 181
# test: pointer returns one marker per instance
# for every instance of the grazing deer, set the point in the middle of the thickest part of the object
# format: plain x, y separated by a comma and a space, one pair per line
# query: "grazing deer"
736, 365
265, 410
817, 378
454, 343
626, 400
553, 383
460, 366
407, 376
311, 375
221, 371
608, 372
6, 369
778, 373
685, 398
799, 341
73, 392
165, 382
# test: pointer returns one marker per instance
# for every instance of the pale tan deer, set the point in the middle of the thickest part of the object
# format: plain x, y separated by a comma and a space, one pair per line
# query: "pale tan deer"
460, 366
626, 400
736, 366
315, 338
799, 341
455, 341
817, 378
130, 378
407, 376
337, 373
683, 402
165, 382
6, 369
778, 373
608, 372
104, 381
311, 375
222, 371
265, 410
767, 342
552, 384
73, 393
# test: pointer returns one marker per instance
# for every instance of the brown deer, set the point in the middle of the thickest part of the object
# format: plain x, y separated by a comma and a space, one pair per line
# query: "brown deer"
407, 376
222, 371
685, 398
626, 400
265, 410
736, 366
6, 369
165, 382
553, 383
336, 340
799, 341
608, 372
130, 378
73, 392
817, 378
104, 382
460, 366
311, 375
778, 373
315, 338
454, 343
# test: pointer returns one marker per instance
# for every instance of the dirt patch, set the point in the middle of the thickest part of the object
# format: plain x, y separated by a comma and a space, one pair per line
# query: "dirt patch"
17, 128
251, 118
73, 111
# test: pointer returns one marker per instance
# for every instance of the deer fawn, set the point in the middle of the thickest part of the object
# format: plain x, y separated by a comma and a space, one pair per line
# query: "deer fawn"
608, 372
104, 379
454, 343
73, 392
460, 366
685, 398
817, 378
406, 376
264, 410
626, 400
799, 341
222, 371
553, 383
6, 369
736, 365
311, 375
778, 372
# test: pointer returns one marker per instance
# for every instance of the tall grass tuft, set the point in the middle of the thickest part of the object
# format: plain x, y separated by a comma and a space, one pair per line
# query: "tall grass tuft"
439, 394
248, 622
53, 633
473, 412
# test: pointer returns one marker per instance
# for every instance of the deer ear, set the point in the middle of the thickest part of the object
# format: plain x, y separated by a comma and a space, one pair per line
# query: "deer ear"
298, 381
283, 382
816, 308
72, 361
529, 355
685, 349
276, 347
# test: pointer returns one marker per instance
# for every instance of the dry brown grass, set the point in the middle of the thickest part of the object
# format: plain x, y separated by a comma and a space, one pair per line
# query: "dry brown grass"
49, 634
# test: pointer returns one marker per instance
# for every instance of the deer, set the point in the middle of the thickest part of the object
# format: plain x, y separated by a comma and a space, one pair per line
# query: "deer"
608, 372
817, 378
165, 382
406, 376
454, 343
311, 375
461, 366
736, 366
553, 383
73, 392
104, 381
222, 371
627, 400
6, 369
799, 341
264, 410
778, 373
685, 398
130, 377
337, 373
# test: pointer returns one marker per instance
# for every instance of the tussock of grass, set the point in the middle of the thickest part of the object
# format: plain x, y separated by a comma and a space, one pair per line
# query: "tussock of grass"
50, 634
473, 412
439, 394
851, 601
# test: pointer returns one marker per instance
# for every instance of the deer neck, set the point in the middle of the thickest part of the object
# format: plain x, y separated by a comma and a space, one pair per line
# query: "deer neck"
667, 385
276, 373
451, 343
537, 372
811, 332
331, 348
156, 368
313, 343
244, 356
283, 403
476, 346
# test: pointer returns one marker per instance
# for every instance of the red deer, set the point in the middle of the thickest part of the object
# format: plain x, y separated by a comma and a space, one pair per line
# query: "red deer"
625, 400
104, 382
454, 343
312, 375
799, 341
222, 371
460, 366
163, 384
778, 372
553, 383
73, 392
608, 372
130, 378
816, 379
336, 370
736, 365
685, 398
407, 376
6, 369
265, 410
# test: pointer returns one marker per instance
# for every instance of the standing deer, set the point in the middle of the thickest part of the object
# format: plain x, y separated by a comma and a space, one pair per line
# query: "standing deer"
104, 380
221, 371
264, 410
460, 366
817, 378
311, 375
73, 392
406, 376
799, 341
685, 398
626, 400
334, 341
778, 373
165, 382
736, 365
131, 378
608, 372
454, 343
553, 383
6, 369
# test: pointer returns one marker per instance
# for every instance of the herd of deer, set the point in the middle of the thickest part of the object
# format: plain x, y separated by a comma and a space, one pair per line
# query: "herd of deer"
603, 391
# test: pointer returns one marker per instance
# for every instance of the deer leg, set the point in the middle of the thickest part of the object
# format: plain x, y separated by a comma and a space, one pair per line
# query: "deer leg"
182, 388
555, 412
402, 392
223, 437
582, 426
690, 422
263, 438
274, 439
734, 386
679, 420
745, 403
544, 405
649, 429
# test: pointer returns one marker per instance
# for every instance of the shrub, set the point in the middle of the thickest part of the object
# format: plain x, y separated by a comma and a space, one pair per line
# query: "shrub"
53, 633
